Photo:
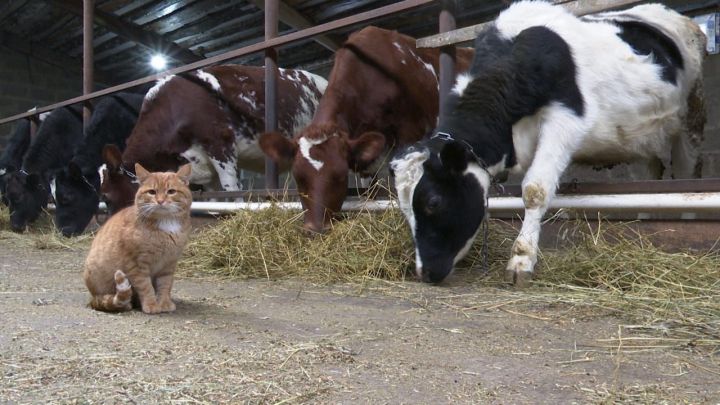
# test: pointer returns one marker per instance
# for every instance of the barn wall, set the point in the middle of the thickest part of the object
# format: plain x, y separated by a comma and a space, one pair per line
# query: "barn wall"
26, 82
711, 146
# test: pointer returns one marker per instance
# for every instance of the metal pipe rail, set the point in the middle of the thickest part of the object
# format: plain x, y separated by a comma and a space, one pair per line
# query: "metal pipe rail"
665, 202
648, 187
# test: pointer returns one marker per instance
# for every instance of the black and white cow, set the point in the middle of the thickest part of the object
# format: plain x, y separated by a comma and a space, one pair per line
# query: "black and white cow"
547, 88
77, 185
50, 150
12, 155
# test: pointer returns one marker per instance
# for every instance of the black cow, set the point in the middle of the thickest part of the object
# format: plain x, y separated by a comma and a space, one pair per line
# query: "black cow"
77, 184
12, 156
27, 189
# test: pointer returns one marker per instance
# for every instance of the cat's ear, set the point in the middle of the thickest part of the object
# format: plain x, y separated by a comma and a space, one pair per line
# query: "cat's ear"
141, 172
184, 173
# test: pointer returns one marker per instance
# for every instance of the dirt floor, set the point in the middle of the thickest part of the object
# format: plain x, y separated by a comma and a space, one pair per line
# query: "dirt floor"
263, 341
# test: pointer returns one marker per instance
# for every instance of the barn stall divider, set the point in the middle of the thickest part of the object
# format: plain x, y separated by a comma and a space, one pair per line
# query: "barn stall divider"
702, 195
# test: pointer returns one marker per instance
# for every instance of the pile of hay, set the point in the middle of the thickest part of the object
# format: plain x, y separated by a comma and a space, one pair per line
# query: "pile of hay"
4, 218
41, 234
271, 244
617, 269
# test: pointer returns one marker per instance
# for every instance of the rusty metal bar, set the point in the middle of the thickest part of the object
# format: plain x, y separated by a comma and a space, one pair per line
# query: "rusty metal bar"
88, 56
447, 53
271, 78
261, 46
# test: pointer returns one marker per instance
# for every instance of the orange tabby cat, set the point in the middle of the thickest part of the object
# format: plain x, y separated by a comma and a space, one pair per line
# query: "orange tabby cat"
133, 256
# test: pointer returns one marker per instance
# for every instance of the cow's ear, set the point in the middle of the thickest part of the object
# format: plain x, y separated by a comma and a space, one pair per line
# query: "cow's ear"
141, 172
365, 149
184, 173
277, 147
454, 157
74, 170
112, 156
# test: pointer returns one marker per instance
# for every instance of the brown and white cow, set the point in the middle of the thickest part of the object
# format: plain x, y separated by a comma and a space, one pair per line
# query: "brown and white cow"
211, 118
382, 93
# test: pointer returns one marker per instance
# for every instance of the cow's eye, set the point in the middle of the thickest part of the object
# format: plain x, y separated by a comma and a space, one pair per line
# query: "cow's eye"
433, 204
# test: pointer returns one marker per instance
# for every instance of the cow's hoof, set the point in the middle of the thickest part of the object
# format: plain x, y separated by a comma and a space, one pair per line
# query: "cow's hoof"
519, 271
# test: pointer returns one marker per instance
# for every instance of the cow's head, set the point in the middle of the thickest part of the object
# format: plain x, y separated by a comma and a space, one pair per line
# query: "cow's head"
27, 195
320, 159
76, 198
118, 188
441, 191
5, 171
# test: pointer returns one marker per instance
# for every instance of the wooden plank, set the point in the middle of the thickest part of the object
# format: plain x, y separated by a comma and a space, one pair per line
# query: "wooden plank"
10, 7
579, 8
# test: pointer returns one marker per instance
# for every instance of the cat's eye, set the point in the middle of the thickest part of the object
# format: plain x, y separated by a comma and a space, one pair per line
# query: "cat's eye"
151, 192
171, 191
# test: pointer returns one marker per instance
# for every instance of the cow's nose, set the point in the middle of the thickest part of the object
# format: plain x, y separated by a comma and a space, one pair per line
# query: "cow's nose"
68, 231
430, 277
17, 228
313, 229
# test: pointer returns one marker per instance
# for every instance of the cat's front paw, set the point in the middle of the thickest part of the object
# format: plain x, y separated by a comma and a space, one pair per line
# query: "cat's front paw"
167, 306
151, 308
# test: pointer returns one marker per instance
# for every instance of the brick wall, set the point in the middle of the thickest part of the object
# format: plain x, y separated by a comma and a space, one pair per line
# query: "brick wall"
26, 82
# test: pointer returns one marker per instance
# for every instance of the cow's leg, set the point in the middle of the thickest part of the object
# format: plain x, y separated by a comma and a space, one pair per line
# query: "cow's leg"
561, 132
685, 151
227, 173
685, 154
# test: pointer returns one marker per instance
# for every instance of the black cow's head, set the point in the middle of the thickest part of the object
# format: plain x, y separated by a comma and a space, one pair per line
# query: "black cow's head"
5, 171
441, 192
27, 195
76, 199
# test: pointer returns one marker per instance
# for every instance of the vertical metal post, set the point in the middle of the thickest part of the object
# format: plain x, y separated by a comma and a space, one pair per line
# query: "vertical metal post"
34, 120
88, 56
271, 76
447, 53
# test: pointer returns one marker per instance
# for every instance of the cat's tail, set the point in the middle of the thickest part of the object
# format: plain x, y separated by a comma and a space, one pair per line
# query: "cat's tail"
118, 302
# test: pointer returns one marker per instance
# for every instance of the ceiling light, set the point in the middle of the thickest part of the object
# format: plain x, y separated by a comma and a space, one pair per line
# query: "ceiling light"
158, 62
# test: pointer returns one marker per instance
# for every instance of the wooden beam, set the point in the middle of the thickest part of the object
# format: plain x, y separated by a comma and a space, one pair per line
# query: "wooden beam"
132, 32
578, 7
10, 7
294, 19
38, 51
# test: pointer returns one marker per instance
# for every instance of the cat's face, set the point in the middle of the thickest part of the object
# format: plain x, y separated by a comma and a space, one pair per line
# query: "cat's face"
163, 194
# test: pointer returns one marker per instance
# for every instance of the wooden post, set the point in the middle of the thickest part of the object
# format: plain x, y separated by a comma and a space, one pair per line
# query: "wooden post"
271, 75
88, 56
447, 53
